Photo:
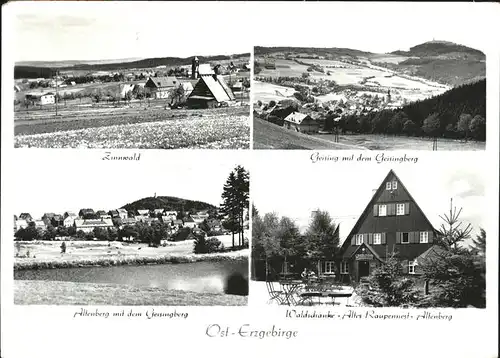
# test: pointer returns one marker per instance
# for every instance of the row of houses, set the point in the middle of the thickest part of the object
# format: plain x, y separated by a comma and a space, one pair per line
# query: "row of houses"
87, 220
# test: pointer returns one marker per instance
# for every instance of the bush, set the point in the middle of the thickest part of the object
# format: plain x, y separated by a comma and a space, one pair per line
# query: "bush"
202, 245
388, 287
236, 284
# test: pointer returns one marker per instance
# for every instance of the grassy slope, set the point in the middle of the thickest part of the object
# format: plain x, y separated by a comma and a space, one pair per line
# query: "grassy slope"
270, 136
69, 293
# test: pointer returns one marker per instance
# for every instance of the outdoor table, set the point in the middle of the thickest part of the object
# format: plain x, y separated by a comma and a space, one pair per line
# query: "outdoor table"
290, 288
337, 294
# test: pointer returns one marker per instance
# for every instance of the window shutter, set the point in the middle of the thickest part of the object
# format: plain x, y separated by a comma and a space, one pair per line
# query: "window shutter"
365, 238
370, 239
407, 208
431, 236
353, 240
375, 210
383, 238
398, 238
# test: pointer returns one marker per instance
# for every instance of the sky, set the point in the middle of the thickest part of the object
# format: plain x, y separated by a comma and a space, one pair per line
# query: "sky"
291, 185
69, 180
95, 31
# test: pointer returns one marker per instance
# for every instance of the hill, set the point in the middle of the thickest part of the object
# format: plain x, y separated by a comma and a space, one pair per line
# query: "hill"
449, 106
168, 203
23, 71
319, 51
440, 48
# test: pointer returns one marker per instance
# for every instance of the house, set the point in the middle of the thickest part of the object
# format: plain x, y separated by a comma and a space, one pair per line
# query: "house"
47, 218
209, 92
168, 218
129, 221
40, 224
69, 220
141, 218
25, 216
114, 214
391, 222
41, 99
157, 212
143, 212
170, 213
123, 214
198, 219
214, 224
57, 220
178, 223
87, 214
189, 222
20, 224
301, 122
88, 225
69, 213
160, 87
101, 213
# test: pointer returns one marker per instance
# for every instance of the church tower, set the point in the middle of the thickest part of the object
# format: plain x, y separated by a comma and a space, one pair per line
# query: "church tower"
195, 65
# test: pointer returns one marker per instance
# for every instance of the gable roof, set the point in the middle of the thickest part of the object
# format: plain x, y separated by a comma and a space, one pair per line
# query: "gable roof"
212, 87
365, 212
297, 117
165, 81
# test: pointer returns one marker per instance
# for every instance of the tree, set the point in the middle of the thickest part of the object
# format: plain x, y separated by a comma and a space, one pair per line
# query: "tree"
479, 244
457, 277
452, 230
388, 286
463, 124
477, 128
177, 96
101, 233
409, 128
432, 125
235, 196
397, 121
28, 234
50, 233
322, 237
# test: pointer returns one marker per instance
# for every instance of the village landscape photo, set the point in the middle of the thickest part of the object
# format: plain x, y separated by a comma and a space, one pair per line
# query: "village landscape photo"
89, 82
428, 96
401, 236
150, 239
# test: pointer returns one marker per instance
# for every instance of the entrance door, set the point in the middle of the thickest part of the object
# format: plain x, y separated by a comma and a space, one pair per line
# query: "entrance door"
363, 268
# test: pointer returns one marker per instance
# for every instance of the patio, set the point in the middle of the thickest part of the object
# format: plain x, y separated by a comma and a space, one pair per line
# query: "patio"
296, 292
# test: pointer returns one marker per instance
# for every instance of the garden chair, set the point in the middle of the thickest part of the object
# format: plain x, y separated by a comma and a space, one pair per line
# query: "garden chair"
275, 295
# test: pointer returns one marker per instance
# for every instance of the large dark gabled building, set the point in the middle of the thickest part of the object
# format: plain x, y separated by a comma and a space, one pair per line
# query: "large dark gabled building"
391, 223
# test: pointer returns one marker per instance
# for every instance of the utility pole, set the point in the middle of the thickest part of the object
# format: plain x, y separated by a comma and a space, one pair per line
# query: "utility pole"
56, 93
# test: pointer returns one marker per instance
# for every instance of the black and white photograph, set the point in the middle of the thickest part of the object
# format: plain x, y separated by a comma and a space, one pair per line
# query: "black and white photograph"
398, 237
427, 92
82, 80
142, 239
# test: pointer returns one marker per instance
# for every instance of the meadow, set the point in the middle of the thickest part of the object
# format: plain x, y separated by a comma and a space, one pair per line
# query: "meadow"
134, 126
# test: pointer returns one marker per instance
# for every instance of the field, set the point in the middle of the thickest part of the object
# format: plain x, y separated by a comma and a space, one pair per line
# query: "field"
89, 252
270, 136
134, 126
72, 293
344, 74
269, 92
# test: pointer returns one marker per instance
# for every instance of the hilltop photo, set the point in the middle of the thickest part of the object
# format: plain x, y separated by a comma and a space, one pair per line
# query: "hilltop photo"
152, 239
141, 88
430, 97
394, 238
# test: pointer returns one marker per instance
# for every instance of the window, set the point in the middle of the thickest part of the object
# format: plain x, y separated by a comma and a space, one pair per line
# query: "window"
344, 267
424, 237
388, 186
359, 239
400, 209
329, 267
382, 210
405, 238
394, 185
377, 239
411, 267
